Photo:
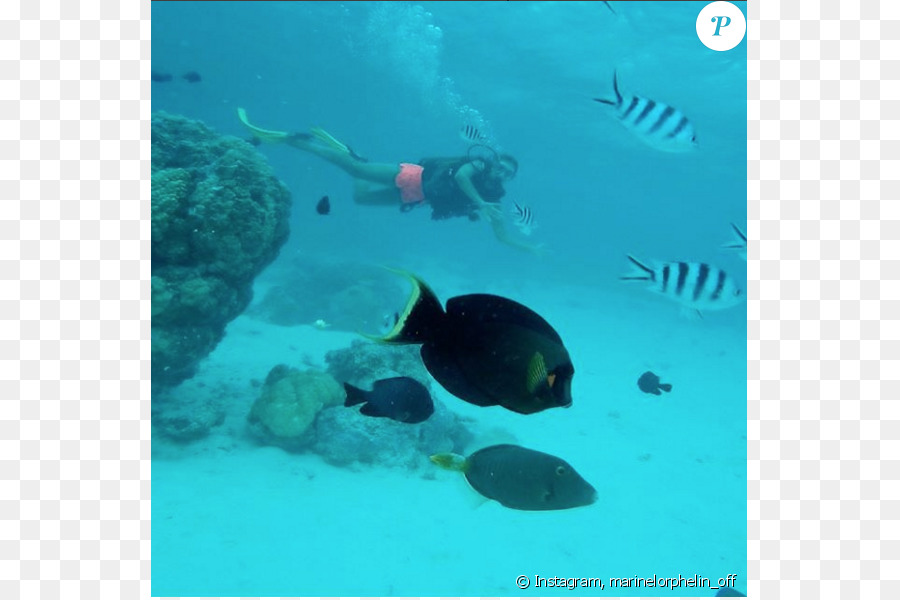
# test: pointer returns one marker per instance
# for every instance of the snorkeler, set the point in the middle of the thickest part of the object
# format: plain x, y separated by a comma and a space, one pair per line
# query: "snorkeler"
463, 186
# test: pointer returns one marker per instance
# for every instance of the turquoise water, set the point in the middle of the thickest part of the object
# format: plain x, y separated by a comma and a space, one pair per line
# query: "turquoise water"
396, 81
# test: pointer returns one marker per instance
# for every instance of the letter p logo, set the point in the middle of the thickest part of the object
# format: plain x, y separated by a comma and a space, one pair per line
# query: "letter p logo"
728, 26
720, 23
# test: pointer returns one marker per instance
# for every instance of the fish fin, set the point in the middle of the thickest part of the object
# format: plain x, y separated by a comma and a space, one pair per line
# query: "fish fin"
739, 233
537, 375
487, 308
691, 314
666, 387
370, 411
447, 371
420, 320
354, 395
656, 392
618, 99
642, 273
450, 461
265, 135
610, 8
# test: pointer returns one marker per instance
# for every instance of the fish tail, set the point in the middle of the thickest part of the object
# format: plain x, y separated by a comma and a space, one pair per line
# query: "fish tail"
354, 395
421, 320
618, 99
666, 387
450, 461
643, 272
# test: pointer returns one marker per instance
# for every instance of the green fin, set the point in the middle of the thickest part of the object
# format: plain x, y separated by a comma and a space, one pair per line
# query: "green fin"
266, 135
420, 319
329, 139
537, 373
450, 461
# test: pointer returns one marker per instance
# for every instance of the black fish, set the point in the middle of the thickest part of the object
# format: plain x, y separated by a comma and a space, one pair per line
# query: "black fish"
160, 77
487, 350
192, 76
649, 383
520, 478
730, 593
324, 206
399, 398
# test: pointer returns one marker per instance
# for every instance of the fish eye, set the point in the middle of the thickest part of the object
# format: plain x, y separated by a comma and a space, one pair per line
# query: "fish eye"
560, 470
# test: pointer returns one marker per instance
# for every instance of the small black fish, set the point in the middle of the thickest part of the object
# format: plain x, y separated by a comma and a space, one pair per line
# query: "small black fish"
520, 478
160, 77
649, 383
486, 349
399, 398
324, 206
192, 76
730, 592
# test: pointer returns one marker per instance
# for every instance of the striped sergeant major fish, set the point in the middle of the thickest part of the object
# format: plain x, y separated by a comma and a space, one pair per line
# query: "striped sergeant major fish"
658, 125
471, 134
696, 286
739, 243
523, 218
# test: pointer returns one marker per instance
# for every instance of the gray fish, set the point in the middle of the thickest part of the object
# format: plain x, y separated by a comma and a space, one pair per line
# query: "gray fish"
520, 478
658, 125
696, 286
398, 398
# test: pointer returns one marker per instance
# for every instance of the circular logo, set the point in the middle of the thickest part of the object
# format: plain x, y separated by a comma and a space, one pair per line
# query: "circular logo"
721, 26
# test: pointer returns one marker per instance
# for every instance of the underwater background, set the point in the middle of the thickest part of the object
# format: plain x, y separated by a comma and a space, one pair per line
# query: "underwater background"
354, 508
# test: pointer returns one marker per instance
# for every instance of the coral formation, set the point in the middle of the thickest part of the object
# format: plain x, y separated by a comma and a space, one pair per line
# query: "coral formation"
219, 217
364, 362
289, 402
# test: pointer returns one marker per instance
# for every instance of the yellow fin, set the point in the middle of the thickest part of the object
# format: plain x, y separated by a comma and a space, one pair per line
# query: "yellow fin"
450, 461
329, 139
537, 373
266, 135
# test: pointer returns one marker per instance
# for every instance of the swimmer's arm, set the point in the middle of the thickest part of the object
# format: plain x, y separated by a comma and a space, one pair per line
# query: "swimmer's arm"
501, 233
490, 210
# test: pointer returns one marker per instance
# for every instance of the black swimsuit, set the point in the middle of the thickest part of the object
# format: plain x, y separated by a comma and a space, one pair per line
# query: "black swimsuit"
444, 195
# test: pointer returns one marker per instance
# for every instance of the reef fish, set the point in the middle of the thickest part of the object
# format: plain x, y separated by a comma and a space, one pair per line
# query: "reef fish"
520, 478
159, 77
658, 125
192, 77
649, 383
486, 349
696, 286
523, 217
398, 398
323, 206
471, 134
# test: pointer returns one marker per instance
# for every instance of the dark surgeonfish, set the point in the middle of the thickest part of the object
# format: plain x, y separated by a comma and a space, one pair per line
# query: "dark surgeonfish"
696, 286
398, 398
649, 383
323, 207
520, 478
192, 77
658, 125
159, 77
729, 592
486, 350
